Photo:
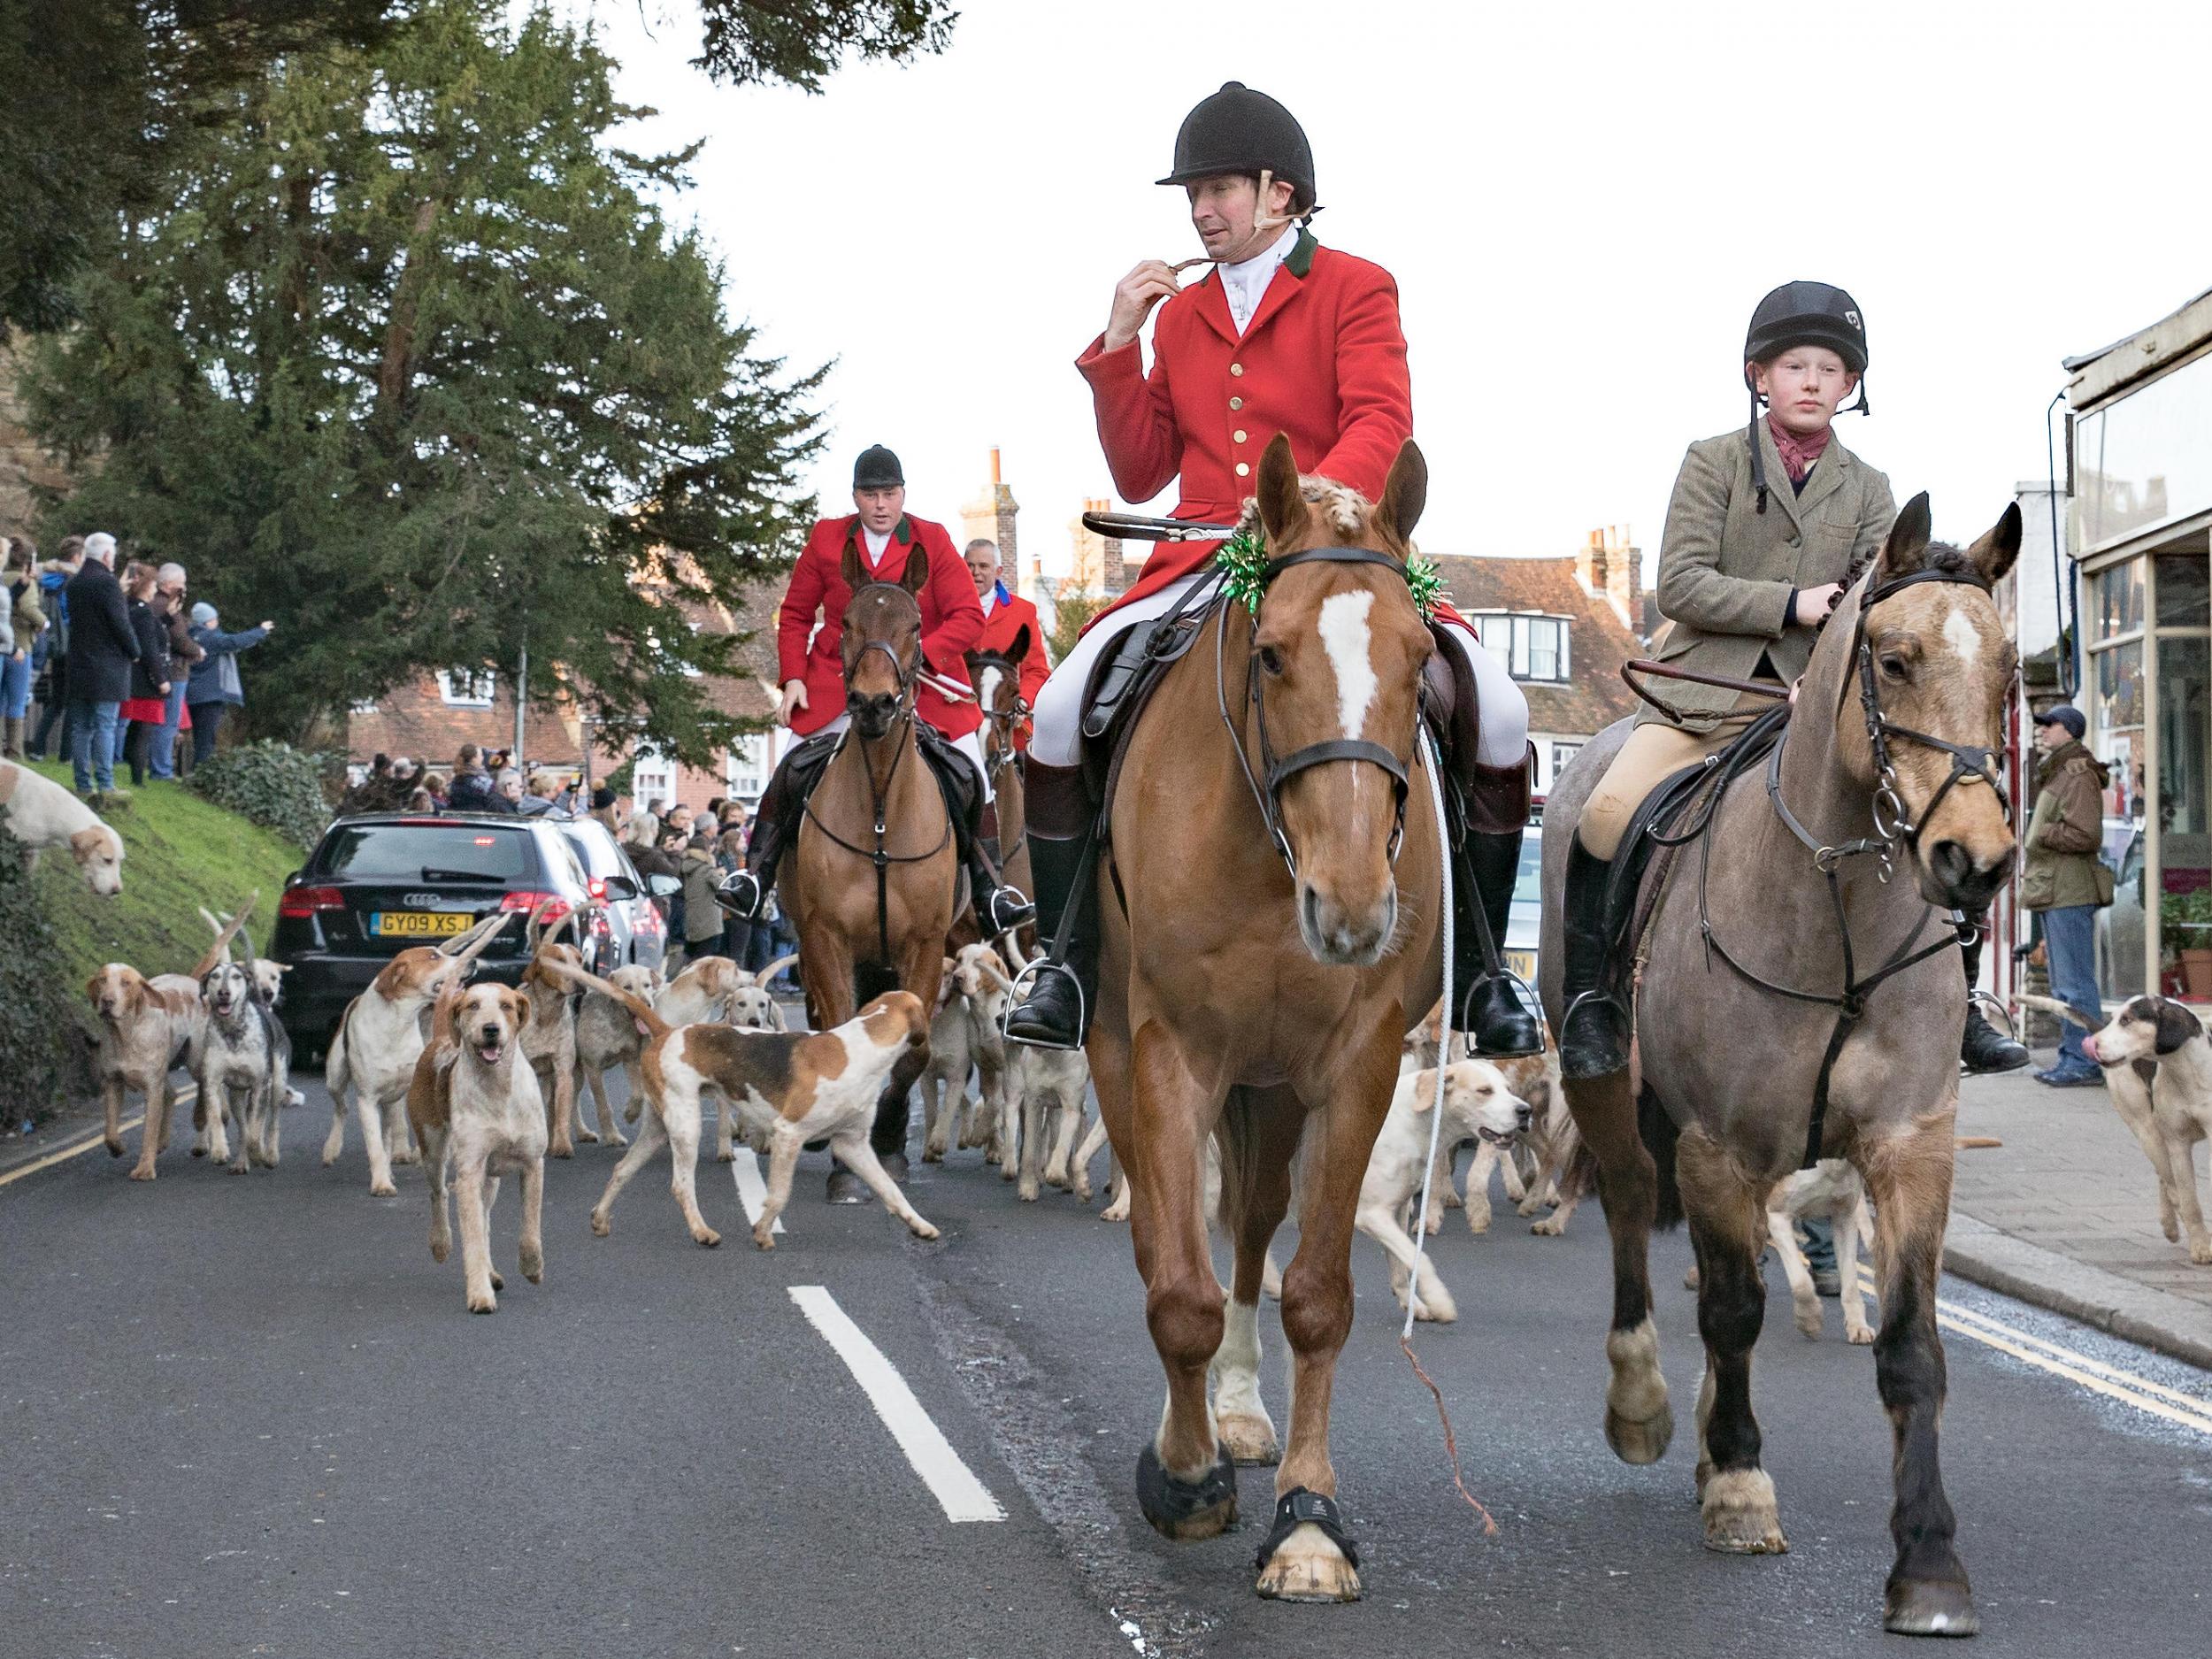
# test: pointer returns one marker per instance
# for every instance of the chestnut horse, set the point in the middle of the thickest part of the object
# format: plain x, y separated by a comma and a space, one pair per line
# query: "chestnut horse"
996, 677
874, 873
1270, 897
1781, 969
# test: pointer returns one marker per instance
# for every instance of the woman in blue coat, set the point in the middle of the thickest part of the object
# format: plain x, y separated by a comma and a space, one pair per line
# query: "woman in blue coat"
215, 686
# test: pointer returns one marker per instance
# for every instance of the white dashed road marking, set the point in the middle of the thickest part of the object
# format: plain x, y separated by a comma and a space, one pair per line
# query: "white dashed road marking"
952, 1482
752, 1192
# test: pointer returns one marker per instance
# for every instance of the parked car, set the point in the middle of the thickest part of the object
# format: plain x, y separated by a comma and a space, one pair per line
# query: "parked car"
1525, 923
624, 926
381, 882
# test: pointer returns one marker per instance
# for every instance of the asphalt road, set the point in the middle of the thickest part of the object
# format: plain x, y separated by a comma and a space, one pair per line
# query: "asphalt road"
249, 1415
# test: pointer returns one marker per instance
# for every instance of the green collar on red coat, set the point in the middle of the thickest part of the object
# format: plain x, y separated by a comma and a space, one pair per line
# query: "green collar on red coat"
1299, 260
902, 532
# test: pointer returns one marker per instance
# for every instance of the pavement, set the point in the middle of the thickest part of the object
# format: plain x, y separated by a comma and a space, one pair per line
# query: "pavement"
249, 1415
2065, 1214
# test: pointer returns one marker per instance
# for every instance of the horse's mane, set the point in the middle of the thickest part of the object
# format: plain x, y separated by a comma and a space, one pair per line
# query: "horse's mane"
1938, 555
1347, 508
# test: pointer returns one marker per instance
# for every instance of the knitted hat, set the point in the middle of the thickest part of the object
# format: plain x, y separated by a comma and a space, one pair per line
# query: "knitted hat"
204, 615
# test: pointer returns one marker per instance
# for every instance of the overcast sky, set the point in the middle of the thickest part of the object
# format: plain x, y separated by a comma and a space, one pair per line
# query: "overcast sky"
1581, 204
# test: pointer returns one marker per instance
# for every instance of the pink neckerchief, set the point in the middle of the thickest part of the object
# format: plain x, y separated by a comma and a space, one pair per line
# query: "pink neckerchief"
1799, 454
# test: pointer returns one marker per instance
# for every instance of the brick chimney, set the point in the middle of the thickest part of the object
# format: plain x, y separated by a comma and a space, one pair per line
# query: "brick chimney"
1097, 563
1590, 564
1624, 577
991, 516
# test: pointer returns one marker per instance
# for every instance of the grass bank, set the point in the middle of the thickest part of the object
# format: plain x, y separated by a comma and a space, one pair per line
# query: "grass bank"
181, 852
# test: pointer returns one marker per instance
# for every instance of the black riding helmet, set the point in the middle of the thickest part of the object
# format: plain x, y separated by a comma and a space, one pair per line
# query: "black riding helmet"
1239, 130
1801, 314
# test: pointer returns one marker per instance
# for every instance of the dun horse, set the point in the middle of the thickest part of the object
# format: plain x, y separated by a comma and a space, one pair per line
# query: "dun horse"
1782, 965
1271, 928
874, 878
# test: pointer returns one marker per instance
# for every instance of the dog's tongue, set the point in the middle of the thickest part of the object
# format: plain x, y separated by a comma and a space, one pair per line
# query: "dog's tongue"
489, 1053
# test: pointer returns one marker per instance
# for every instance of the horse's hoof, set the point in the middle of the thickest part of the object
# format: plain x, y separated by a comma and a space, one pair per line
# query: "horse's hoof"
1913, 1608
1247, 1440
1307, 1567
1741, 1517
1186, 1510
1640, 1442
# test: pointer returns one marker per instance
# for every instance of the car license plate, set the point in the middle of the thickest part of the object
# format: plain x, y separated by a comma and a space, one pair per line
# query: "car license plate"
418, 924
1522, 962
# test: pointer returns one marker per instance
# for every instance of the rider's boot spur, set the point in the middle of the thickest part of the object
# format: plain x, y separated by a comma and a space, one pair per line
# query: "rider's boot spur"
1593, 1034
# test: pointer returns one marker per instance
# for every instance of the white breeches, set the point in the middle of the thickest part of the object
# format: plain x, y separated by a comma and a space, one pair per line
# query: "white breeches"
1055, 740
969, 745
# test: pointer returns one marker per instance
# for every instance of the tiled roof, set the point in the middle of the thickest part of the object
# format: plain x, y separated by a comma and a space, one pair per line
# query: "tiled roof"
1599, 643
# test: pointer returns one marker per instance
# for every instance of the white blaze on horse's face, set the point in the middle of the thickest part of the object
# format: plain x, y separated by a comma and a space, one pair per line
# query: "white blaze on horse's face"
1964, 637
1345, 636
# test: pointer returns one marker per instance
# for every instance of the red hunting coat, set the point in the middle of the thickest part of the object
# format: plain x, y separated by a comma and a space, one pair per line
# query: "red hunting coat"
1324, 361
952, 621
1001, 623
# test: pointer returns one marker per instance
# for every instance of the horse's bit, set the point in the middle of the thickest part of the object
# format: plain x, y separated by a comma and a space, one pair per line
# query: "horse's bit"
905, 674
1267, 787
1892, 824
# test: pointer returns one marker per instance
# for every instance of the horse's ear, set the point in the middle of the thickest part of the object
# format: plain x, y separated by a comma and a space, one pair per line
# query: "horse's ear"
1906, 547
917, 577
849, 567
1282, 506
1019, 649
1405, 492
1994, 553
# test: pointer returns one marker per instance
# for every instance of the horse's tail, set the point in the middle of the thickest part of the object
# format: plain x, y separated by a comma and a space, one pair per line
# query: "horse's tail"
647, 1017
1660, 1132
870, 981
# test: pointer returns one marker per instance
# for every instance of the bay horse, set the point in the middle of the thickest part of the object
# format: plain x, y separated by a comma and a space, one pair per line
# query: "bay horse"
1793, 1001
996, 677
1268, 893
874, 874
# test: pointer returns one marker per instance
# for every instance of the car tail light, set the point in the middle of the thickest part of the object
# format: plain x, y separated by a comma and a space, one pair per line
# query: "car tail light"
556, 905
596, 886
301, 902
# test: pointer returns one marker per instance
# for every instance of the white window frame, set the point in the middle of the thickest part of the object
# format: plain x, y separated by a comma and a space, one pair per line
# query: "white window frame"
653, 778
460, 688
1516, 653
746, 767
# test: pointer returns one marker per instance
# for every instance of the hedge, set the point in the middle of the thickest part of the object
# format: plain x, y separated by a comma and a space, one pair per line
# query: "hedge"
273, 784
38, 1030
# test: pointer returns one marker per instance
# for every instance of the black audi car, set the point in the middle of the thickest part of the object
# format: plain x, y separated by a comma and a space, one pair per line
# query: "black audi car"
381, 882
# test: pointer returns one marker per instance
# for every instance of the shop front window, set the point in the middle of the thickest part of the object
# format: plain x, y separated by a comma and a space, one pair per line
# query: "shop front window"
2185, 813
2144, 459
2116, 737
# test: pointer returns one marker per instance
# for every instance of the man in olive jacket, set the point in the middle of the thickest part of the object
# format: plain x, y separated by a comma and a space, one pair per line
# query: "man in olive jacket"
2061, 878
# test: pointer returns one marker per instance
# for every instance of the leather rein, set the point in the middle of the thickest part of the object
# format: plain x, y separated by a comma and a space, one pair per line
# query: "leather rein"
905, 674
1892, 824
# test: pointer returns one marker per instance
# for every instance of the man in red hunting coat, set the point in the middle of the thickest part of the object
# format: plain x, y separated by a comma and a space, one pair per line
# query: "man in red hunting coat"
809, 636
1282, 335
1005, 617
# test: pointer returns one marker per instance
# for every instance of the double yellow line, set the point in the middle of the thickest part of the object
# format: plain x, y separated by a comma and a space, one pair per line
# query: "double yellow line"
2187, 1410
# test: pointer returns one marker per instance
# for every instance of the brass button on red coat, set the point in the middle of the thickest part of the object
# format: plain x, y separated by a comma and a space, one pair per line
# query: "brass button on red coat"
1244, 469
1238, 435
1236, 368
1236, 403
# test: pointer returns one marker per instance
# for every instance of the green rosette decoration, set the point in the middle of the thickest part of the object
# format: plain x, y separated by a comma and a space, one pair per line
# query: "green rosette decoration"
1242, 561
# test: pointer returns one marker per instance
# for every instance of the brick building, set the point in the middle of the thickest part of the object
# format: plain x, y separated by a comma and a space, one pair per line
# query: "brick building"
1563, 628
430, 720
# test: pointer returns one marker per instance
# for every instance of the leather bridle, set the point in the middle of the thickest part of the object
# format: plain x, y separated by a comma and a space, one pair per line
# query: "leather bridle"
905, 674
1266, 783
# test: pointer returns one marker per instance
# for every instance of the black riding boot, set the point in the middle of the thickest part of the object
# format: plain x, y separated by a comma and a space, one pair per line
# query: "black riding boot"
998, 909
745, 893
1492, 1012
1057, 1013
1593, 1035
1985, 1048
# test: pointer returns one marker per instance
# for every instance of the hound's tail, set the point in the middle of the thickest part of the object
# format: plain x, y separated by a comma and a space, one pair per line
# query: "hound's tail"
335, 1072
642, 1011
